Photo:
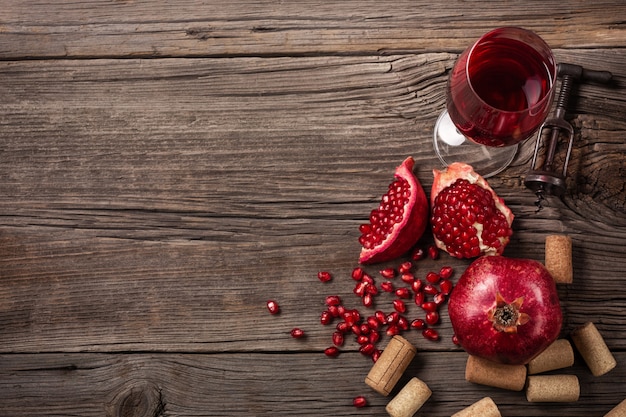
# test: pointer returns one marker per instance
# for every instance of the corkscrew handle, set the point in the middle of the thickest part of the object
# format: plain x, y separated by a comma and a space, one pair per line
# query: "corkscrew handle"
579, 73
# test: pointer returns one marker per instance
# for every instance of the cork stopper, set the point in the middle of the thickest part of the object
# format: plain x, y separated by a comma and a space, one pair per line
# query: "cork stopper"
593, 349
410, 399
390, 365
618, 411
552, 388
486, 372
558, 258
483, 408
559, 354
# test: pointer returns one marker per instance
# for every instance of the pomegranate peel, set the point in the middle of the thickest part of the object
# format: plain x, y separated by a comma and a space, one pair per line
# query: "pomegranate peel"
468, 218
398, 222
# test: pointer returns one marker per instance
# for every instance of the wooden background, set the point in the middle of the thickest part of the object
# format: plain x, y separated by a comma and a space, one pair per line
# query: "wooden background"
167, 167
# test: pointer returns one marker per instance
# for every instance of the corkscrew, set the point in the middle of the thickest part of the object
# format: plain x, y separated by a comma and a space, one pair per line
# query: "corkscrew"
547, 178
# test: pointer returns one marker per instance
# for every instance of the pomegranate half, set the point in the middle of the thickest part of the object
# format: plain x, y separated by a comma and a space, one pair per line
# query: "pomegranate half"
398, 222
468, 219
505, 309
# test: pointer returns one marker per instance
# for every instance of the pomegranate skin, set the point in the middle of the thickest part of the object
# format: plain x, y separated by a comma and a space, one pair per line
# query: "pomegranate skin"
505, 309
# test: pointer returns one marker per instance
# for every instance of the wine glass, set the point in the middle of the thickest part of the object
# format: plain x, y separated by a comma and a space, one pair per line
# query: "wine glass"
499, 92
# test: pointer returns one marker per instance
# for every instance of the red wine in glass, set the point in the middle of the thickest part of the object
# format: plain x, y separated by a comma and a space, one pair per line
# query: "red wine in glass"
498, 94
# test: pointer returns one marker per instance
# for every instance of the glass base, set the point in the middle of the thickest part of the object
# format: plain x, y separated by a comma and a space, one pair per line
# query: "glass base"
451, 146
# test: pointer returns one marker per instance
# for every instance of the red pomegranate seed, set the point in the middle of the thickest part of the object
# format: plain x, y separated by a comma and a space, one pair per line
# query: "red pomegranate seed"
380, 316
334, 311
399, 306
417, 285
446, 286
333, 300
418, 324
403, 323
343, 327
357, 273
407, 277
430, 289
359, 289
341, 310
367, 349
432, 317
446, 272
359, 401
362, 339
338, 339
386, 286
326, 317
371, 289
433, 277
419, 298
324, 276
374, 336
430, 334
356, 329
433, 252
393, 330
297, 333
373, 322
439, 298
368, 300
388, 273
403, 293
365, 329
405, 267
418, 254
429, 306
331, 351
392, 318
273, 307
376, 355
367, 278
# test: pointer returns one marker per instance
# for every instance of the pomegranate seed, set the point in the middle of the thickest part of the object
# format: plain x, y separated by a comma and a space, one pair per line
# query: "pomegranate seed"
341, 310
371, 289
334, 311
368, 300
430, 289
326, 317
359, 401
418, 254
393, 330
403, 293
331, 351
439, 298
351, 317
403, 323
429, 306
367, 349
418, 324
356, 329
433, 252
374, 336
430, 334
273, 307
446, 272
376, 355
338, 339
416, 285
373, 322
405, 267
432, 317
362, 339
446, 286
388, 273
343, 327
367, 278
419, 298
407, 277
360, 288
365, 329
392, 318
380, 316
386, 286
433, 277
399, 306
333, 300
357, 273
297, 333
324, 276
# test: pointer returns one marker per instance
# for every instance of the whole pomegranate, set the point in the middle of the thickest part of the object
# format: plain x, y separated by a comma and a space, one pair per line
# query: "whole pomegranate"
398, 222
468, 219
505, 309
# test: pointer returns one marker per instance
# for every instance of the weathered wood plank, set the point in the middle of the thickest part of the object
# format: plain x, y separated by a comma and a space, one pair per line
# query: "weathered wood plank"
307, 384
253, 28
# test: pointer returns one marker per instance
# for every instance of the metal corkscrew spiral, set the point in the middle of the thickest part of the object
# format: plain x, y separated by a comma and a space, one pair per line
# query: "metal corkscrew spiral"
548, 179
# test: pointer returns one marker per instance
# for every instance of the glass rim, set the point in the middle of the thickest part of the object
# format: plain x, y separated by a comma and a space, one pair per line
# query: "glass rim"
538, 39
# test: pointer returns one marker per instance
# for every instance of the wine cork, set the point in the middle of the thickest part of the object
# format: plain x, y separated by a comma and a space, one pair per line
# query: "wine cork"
593, 349
552, 388
559, 354
618, 411
410, 399
486, 372
558, 258
483, 408
390, 365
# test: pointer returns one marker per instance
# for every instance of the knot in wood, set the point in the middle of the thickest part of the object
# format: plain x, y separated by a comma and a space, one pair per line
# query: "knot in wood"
138, 400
